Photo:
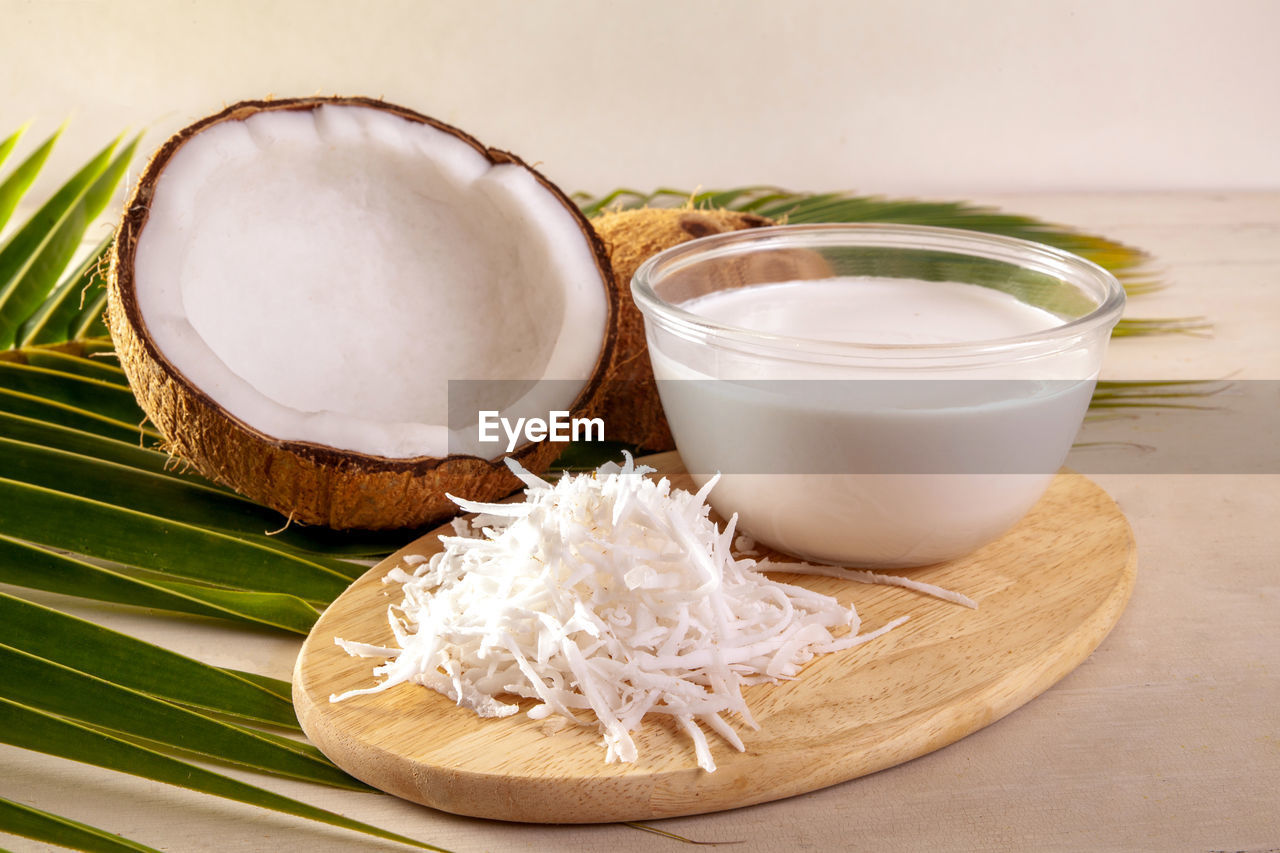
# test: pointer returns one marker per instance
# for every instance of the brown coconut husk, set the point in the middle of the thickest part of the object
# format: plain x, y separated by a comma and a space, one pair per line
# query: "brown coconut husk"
632, 411
307, 482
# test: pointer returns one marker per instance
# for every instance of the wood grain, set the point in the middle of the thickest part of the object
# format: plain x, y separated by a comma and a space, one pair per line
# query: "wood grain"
1049, 591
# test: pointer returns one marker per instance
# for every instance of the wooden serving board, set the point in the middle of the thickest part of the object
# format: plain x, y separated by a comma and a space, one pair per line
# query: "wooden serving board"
1049, 591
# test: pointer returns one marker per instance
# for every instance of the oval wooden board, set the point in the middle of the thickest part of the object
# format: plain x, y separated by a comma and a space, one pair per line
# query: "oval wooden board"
1049, 591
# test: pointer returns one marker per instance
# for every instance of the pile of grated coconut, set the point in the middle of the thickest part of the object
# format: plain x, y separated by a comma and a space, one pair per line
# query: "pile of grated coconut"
611, 593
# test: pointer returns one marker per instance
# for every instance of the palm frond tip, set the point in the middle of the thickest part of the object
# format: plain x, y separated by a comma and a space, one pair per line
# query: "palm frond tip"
1126, 262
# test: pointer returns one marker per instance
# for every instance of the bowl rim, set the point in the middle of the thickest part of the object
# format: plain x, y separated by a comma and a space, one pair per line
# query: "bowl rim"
1039, 257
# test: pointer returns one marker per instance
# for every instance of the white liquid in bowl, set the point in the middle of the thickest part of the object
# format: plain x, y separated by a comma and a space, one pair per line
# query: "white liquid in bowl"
930, 461
875, 311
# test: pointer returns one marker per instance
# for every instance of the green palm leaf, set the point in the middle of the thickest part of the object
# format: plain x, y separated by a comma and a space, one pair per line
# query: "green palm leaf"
129, 662
53, 411
187, 551
29, 728
36, 430
14, 187
30, 822
6, 147
106, 399
92, 347
1129, 327
66, 362
1130, 265
27, 565
159, 495
60, 690
32, 260
59, 317
102, 464
91, 319
792, 207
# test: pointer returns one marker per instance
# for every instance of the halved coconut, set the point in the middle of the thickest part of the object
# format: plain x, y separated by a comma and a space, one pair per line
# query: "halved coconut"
296, 283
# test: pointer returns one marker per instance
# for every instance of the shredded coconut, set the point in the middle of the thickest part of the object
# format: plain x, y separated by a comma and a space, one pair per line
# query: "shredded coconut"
606, 597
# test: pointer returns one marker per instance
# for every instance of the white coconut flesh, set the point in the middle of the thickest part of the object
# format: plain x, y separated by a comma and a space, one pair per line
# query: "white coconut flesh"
322, 274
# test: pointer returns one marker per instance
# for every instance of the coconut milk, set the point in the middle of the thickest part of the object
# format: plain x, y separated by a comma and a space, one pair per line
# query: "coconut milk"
871, 458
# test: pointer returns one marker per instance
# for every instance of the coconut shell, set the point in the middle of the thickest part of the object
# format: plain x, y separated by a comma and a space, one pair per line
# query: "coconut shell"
632, 411
307, 482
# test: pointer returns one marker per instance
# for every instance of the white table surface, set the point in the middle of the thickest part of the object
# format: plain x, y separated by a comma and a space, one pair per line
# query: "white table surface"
1166, 738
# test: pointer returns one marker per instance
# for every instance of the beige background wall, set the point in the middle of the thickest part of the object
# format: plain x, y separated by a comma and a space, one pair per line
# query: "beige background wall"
914, 96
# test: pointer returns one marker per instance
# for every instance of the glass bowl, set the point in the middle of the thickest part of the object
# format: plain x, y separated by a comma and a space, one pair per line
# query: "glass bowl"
874, 395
